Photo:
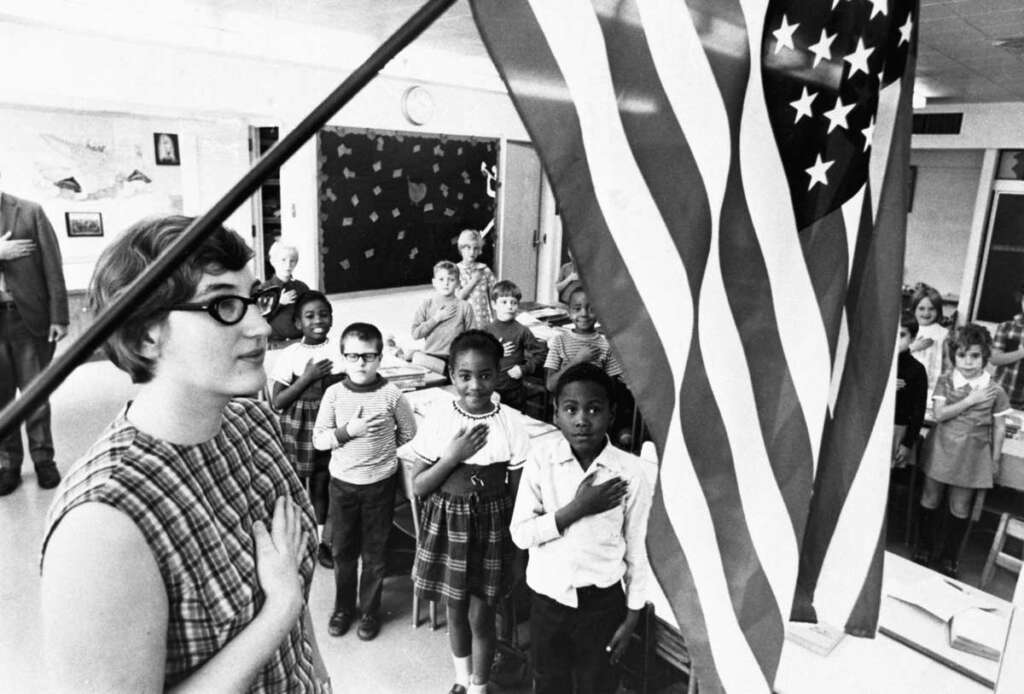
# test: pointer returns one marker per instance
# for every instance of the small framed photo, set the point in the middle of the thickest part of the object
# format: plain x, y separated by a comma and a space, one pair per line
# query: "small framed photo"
84, 223
165, 146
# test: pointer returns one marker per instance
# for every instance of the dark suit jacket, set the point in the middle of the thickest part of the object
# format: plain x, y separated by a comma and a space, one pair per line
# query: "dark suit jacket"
36, 281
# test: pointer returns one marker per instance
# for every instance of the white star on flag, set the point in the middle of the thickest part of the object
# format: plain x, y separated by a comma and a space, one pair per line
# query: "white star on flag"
837, 115
877, 7
821, 49
908, 26
869, 134
784, 35
817, 172
803, 105
858, 60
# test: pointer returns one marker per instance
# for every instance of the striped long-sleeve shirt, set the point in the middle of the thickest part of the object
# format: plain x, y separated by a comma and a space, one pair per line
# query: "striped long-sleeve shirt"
363, 459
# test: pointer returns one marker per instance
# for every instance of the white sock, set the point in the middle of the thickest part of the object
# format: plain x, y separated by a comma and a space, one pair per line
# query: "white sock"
477, 689
463, 666
320, 533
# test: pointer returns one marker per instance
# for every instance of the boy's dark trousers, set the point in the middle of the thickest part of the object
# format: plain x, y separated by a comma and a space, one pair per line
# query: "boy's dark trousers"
568, 644
361, 515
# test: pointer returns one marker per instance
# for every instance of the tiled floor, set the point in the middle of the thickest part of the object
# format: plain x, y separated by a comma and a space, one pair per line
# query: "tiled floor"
402, 659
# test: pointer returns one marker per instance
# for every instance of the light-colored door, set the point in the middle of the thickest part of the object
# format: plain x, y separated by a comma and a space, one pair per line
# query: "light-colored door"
519, 233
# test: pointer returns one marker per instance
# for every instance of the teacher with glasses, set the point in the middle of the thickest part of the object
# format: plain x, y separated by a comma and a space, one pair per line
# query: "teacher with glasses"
179, 551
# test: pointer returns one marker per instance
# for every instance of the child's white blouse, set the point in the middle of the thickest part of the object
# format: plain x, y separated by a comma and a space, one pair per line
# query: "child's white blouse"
507, 440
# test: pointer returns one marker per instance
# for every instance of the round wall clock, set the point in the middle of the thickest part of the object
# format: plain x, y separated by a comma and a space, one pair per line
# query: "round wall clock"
417, 105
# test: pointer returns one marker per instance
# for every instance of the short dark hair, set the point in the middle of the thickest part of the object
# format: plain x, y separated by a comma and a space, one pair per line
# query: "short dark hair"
591, 373
129, 255
475, 341
970, 335
925, 291
577, 290
367, 332
308, 297
506, 288
908, 321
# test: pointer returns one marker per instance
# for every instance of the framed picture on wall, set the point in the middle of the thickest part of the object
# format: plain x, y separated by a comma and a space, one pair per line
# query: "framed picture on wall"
84, 223
165, 146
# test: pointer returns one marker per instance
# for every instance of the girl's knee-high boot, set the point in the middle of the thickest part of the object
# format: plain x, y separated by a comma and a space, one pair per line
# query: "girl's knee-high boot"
926, 530
956, 529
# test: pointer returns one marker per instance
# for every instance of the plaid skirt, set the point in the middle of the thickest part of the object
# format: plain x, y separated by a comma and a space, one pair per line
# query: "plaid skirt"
464, 547
297, 431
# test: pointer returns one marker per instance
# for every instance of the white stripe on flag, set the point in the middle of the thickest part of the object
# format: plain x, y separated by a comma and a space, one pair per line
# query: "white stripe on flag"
852, 212
687, 79
574, 36
885, 124
849, 555
798, 317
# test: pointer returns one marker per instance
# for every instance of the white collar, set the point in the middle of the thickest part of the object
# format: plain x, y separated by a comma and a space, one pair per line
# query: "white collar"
606, 458
975, 383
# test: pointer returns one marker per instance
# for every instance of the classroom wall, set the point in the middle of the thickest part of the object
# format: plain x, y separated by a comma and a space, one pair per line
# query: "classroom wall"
939, 225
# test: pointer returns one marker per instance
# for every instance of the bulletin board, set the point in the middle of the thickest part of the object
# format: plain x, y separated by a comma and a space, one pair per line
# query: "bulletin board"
392, 204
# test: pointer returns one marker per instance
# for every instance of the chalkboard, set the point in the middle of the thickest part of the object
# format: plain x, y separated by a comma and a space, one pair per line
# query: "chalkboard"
393, 204
999, 298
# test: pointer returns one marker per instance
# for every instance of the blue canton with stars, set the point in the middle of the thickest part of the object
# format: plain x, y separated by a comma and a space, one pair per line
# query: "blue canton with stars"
823, 65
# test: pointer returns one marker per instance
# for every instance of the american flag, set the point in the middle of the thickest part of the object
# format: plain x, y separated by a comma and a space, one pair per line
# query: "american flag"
730, 175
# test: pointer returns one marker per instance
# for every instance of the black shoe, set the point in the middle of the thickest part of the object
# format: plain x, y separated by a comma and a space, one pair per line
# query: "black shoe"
369, 627
323, 556
47, 476
339, 624
457, 689
9, 480
922, 556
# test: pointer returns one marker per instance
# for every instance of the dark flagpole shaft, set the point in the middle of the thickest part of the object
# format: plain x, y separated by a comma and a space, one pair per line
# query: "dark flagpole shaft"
94, 336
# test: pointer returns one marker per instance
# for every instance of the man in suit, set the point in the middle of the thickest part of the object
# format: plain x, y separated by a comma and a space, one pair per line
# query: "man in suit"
33, 318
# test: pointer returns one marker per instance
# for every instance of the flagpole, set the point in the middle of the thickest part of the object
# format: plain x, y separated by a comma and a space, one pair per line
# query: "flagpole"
94, 336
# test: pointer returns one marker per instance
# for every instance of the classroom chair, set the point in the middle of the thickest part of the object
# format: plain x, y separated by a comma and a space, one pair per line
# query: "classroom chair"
413, 528
1009, 526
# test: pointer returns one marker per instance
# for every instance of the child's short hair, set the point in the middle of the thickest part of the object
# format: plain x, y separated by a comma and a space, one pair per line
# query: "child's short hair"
506, 288
580, 289
970, 335
908, 321
930, 293
446, 266
591, 373
478, 341
308, 297
367, 332
128, 256
469, 236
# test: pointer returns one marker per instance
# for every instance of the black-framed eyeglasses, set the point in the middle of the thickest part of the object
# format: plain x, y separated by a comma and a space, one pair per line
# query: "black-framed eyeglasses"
365, 356
230, 308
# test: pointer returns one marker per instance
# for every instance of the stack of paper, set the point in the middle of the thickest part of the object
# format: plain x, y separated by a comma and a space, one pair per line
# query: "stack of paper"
818, 638
978, 631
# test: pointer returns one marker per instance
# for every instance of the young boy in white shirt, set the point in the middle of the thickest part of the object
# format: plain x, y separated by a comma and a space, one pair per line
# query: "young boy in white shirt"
582, 512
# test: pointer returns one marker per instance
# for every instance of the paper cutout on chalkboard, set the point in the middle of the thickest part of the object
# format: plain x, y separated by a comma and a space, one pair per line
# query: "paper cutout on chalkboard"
444, 189
448, 212
459, 151
346, 221
438, 151
330, 195
413, 253
436, 167
345, 265
343, 150
355, 200
397, 173
417, 191
369, 253
376, 190
380, 144
396, 213
401, 234
415, 148
428, 207
374, 217
376, 166
348, 173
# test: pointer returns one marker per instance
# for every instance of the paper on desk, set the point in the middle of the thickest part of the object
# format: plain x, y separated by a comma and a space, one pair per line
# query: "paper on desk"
423, 400
549, 312
939, 596
980, 632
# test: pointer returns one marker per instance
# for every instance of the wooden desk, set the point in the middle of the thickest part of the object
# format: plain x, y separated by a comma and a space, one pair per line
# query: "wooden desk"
856, 665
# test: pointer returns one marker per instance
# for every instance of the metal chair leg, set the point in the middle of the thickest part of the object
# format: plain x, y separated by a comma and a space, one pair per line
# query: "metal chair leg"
432, 609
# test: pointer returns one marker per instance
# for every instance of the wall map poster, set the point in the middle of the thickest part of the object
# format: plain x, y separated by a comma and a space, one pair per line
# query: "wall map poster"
393, 204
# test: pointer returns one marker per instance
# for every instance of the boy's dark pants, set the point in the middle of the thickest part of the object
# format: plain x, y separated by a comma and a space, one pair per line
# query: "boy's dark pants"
361, 515
568, 643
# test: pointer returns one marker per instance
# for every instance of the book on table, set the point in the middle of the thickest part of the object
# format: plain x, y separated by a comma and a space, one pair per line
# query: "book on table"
979, 631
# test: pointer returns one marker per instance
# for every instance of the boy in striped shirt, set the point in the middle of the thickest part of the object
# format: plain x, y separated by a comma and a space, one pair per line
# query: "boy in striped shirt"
581, 345
362, 420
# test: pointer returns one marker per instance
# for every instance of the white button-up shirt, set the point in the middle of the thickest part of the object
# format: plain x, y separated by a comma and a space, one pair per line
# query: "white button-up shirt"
597, 550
